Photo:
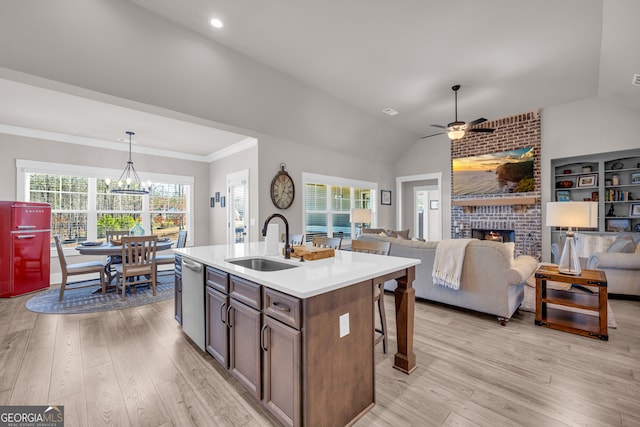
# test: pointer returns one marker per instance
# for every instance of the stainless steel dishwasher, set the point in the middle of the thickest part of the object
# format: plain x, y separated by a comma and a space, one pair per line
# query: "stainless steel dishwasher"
193, 301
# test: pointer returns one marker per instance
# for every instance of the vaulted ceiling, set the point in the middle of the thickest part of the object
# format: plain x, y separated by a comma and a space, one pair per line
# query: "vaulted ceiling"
366, 55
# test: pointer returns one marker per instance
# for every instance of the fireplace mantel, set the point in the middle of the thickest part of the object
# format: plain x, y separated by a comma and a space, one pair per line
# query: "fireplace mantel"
518, 203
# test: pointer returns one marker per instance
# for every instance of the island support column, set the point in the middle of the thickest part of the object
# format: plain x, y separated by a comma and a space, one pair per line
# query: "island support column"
405, 294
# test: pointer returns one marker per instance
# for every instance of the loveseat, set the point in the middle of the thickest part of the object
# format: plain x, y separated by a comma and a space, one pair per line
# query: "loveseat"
492, 279
618, 255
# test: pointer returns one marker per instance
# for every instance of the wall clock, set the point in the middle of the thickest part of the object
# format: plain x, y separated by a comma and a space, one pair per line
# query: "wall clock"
282, 189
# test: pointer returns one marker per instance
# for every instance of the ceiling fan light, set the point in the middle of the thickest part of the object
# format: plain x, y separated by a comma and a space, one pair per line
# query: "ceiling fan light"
455, 134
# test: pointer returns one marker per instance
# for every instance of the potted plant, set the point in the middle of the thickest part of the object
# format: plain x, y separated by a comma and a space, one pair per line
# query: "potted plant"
586, 168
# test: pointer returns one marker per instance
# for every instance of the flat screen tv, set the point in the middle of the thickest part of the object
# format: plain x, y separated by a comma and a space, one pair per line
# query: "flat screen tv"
496, 173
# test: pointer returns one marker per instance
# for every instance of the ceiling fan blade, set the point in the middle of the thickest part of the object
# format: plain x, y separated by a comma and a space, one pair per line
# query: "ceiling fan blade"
429, 136
477, 121
480, 130
439, 126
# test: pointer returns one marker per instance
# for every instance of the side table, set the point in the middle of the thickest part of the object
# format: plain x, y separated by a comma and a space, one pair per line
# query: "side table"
566, 320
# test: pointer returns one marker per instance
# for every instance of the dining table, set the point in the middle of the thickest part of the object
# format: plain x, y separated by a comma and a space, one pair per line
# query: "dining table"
111, 250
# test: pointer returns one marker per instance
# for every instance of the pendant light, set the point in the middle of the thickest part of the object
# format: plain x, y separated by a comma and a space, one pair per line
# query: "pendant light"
129, 181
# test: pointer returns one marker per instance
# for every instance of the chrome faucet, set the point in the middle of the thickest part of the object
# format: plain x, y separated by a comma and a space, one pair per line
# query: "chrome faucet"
287, 247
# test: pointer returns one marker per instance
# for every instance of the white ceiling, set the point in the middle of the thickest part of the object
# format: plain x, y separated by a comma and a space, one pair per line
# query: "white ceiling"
510, 56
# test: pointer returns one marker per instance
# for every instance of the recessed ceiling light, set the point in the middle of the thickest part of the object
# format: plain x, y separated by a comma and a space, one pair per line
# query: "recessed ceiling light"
216, 23
390, 111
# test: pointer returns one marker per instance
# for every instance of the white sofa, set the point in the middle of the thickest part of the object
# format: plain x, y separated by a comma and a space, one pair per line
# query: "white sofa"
492, 279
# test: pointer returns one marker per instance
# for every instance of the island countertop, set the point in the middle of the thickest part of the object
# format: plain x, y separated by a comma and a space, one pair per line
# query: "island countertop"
308, 278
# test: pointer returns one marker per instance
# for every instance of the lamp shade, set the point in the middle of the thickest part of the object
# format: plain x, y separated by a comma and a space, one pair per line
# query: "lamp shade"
361, 216
572, 214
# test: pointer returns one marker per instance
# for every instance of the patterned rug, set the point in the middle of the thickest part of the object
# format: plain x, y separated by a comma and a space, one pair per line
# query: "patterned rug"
529, 304
84, 300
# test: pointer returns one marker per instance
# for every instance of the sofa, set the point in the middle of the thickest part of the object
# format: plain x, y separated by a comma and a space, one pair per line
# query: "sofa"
618, 255
492, 279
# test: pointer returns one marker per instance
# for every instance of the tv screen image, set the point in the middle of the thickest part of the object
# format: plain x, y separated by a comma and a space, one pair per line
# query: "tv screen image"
504, 172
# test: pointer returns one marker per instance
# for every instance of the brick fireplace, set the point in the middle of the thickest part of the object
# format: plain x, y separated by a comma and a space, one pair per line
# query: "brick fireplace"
513, 216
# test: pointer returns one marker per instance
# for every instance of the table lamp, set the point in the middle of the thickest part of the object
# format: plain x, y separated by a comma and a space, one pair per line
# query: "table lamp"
360, 216
571, 214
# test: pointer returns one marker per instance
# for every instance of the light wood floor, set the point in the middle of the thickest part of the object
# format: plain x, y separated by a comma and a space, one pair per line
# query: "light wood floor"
135, 367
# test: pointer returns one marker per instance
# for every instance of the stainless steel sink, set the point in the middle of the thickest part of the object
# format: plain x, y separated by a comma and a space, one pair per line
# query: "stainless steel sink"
261, 264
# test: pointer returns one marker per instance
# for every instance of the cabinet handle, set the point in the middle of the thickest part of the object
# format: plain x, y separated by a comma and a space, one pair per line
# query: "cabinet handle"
229, 317
26, 236
262, 337
222, 312
281, 307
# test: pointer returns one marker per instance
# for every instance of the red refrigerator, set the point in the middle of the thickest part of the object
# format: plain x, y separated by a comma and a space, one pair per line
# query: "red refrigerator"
24, 247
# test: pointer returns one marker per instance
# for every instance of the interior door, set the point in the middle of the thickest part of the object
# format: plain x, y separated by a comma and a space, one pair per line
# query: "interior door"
237, 206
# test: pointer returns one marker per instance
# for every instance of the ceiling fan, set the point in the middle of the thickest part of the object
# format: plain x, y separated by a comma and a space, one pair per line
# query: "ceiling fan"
456, 129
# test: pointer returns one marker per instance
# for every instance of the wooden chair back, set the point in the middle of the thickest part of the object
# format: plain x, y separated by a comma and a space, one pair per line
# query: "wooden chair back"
115, 234
182, 239
327, 242
76, 269
138, 262
379, 248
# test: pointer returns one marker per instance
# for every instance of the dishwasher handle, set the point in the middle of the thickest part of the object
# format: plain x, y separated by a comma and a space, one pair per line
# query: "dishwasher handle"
192, 265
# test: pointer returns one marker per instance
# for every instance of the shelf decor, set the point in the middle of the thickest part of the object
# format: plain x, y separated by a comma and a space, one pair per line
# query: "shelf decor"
618, 225
589, 180
563, 195
634, 210
635, 178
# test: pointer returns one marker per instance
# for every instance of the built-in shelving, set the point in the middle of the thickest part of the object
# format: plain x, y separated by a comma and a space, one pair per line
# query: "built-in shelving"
611, 179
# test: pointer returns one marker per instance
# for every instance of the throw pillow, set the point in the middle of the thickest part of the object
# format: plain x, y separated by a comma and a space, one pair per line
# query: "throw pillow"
623, 244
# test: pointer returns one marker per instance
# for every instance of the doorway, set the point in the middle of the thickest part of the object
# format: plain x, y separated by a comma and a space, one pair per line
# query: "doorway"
237, 206
420, 205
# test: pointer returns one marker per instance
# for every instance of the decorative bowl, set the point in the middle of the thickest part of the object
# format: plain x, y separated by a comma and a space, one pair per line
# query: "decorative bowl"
565, 184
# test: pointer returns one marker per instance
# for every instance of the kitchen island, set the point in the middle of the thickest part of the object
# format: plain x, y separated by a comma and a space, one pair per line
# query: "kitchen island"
300, 339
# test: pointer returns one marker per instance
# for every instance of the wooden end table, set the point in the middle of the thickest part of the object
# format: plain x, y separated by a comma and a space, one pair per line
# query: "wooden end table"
570, 321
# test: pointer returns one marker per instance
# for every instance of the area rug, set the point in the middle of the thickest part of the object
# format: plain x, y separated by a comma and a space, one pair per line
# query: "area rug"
85, 300
529, 304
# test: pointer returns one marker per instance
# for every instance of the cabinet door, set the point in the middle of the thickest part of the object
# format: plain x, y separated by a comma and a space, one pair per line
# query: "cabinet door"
178, 298
216, 334
244, 345
281, 361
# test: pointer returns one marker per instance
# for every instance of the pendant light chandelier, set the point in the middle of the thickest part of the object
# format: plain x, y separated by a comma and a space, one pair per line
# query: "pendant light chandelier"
129, 181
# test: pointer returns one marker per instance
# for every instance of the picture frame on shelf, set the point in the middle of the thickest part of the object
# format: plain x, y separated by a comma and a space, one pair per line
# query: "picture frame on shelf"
634, 209
617, 225
589, 180
635, 178
385, 197
563, 195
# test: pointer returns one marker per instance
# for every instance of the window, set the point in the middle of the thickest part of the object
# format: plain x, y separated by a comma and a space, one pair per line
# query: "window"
328, 202
82, 208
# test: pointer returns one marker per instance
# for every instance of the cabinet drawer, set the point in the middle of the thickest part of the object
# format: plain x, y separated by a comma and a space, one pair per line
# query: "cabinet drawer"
282, 307
245, 291
217, 280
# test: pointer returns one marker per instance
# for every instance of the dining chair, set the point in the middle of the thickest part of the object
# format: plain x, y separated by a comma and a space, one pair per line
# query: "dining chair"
296, 239
378, 248
113, 260
326, 242
171, 259
138, 263
76, 269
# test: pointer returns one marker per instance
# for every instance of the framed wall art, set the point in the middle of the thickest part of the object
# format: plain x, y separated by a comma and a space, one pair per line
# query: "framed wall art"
634, 210
385, 197
563, 195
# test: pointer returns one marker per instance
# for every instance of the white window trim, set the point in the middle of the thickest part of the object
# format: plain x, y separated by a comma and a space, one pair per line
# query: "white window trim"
313, 178
31, 166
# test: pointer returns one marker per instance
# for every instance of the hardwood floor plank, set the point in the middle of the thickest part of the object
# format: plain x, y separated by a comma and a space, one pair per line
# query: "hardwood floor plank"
103, 397
143, 404
66, 371
75, 409
12, 353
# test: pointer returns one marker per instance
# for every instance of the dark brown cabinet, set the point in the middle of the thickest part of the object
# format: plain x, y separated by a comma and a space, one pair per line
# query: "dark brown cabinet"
281, 371
244, 346
178, 290
216, 342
